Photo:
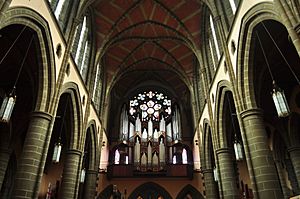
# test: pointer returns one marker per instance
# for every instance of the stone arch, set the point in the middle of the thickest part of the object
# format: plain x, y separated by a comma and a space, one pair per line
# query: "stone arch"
8, 183
46, 80
206, 151
209, 163
208, 57
107, 192
223, 87
253, 17
72, 90
94, 152
147, 187
192, 191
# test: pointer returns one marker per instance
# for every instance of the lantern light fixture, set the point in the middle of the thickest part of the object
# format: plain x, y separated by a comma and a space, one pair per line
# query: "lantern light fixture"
237, 145
216, 176
278, 95
82, 175
58, 145
238, 149
9, 101
57, 151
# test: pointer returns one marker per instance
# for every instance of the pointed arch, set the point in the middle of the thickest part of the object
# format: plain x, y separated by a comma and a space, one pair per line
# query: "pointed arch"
148, 187
208, 145
258, 13
47, 72
94, 153
191, 190
106, 193
72, 90
223, 87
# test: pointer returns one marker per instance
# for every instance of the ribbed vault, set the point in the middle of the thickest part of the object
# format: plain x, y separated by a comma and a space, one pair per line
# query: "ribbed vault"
148, 35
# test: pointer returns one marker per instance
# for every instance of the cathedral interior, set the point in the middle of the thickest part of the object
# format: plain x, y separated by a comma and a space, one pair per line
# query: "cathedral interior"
149, 99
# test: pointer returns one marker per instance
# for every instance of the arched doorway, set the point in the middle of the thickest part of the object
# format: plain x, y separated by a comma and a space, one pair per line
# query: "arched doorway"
189, 192
150, 190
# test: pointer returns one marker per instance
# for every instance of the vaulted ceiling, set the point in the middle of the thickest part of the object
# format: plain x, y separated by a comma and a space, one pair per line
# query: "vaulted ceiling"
148, 40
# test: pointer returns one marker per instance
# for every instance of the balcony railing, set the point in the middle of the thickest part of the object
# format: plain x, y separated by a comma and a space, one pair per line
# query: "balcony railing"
131, 171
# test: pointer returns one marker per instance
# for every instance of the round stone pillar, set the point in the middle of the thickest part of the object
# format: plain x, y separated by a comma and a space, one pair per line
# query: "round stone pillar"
90, 184
32, 160
71, 174
265, 176
227, 179
295, 159
211, 188
282, 179
4, 159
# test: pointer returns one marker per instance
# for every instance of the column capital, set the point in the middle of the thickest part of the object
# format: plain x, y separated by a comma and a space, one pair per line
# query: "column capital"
297, 28
42, 115
77, 21
251, 112
208, 170
74, 152
88, 171
223, 150
293, 149
6, 150
217, 18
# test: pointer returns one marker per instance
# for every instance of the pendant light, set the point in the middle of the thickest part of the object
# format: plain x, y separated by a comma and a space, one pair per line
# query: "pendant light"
57, 151
237, 145
83, 170
10, 100
215, 172
238, 149
278, 95
280, 101
58, 145
82, 175
8, 106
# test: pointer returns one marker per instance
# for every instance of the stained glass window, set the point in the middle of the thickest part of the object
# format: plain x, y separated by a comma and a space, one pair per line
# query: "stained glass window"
150, 105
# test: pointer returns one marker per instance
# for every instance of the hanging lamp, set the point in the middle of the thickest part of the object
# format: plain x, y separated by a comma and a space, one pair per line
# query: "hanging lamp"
10, 100
83, 170
8, 106
58, 145
237, 145
82, 175
280, 101
215, 172
278, 95
238, 149
57, 151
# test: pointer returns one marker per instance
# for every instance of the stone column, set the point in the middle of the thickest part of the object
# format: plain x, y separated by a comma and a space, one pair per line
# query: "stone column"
32, 161
227, 175
4, 159
71, 175
211, 188
263, 166
5, 150
295, 158
281, 177
90, 184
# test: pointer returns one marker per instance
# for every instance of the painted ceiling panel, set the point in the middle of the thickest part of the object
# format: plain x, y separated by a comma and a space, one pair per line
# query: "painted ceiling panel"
149, 35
